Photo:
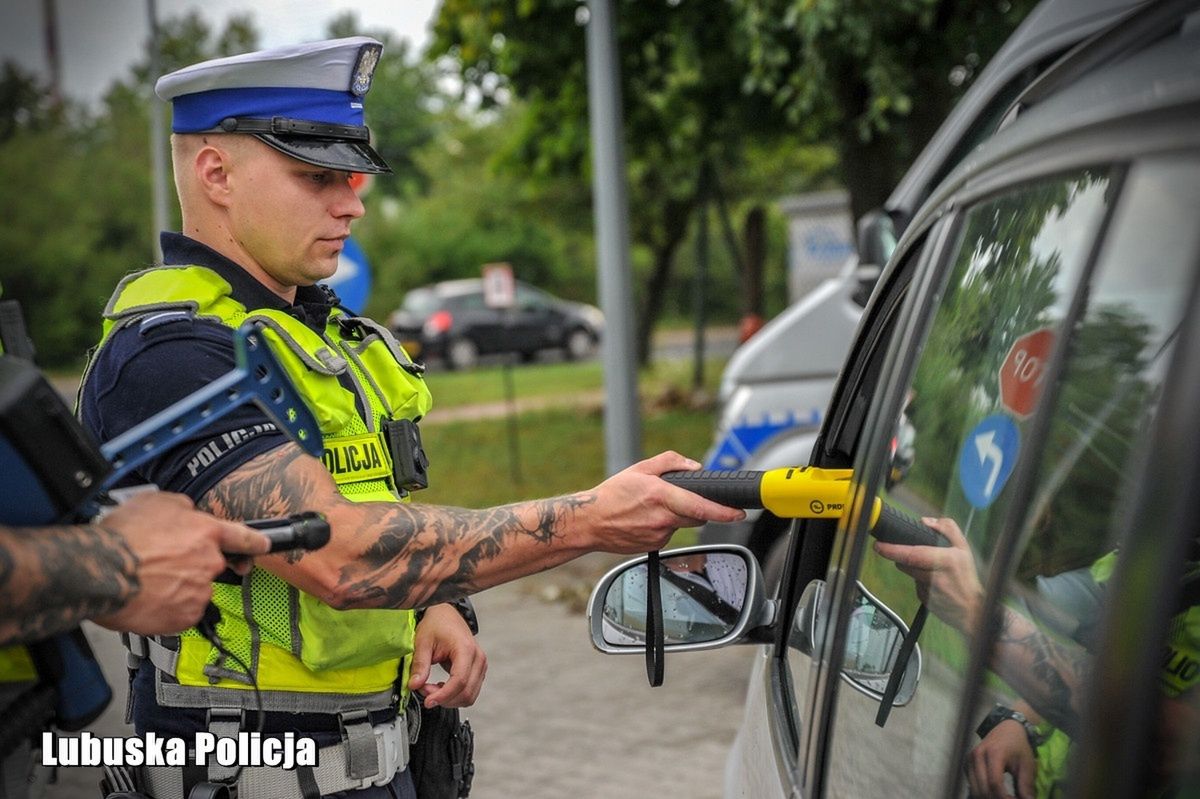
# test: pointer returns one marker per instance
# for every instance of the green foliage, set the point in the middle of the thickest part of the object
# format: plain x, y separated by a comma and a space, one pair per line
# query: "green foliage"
877, 78
472, 213
71, 233
681, 70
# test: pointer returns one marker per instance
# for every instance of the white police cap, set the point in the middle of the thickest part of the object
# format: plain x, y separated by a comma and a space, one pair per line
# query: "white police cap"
304, 100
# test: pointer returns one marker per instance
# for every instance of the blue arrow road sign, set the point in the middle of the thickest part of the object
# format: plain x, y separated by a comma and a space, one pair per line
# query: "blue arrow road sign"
986, 459
352, 280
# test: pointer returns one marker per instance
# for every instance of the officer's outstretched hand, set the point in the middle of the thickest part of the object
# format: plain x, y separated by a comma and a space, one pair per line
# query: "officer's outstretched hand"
635, 511
178, 551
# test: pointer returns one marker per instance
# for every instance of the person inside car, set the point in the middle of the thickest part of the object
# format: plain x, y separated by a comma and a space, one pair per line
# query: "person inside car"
1047, 667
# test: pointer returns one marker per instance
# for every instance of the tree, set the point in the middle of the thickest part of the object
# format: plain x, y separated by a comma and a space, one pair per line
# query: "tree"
684, 106
471, 214
69, 238
24, 102
876, 78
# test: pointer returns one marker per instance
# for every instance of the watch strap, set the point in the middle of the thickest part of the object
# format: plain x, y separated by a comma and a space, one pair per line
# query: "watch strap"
1001, 713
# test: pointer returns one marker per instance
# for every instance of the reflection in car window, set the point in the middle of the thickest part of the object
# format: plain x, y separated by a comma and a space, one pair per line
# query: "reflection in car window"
1111, 380
979, 375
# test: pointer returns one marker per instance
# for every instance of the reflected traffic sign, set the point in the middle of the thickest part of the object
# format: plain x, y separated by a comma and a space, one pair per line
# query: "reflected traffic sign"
986, 459
1024, 371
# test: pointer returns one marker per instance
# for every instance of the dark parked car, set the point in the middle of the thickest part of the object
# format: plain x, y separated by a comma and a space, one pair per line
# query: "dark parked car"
451, 321
1043, 308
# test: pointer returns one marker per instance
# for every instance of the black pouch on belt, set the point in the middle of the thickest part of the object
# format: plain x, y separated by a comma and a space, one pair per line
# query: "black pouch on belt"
442, 760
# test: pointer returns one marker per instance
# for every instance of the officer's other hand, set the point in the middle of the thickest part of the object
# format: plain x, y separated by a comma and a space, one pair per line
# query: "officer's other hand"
179, 551
444, 638
637, 512
1004, 750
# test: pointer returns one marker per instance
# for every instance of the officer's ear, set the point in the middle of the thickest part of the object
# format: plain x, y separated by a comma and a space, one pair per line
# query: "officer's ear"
211, 167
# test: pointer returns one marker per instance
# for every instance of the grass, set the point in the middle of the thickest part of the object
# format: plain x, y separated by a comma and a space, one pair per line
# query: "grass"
454, 389
560, 451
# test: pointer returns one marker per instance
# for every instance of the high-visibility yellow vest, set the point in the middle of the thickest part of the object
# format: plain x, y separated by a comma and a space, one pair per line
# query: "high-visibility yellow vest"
1181, 671
305, 655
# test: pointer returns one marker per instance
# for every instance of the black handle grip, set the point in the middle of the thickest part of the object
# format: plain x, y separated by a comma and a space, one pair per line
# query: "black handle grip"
735, 489
894, 527
307, 530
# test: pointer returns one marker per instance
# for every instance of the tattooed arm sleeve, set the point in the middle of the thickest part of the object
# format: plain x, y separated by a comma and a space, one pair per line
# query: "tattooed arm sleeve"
1049, 673
52, 578
389, 554
384, 554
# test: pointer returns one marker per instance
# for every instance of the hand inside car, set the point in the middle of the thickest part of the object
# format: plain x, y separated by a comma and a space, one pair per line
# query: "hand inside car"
1004, 750
945, 576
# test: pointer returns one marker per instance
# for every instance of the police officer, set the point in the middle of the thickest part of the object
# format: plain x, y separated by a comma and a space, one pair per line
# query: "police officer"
263, 148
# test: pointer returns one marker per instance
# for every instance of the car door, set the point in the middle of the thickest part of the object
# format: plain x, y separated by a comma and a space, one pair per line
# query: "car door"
537, 324
1030, 359
777, 729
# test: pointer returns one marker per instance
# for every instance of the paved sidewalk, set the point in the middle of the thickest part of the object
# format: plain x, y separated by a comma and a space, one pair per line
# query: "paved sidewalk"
556, 719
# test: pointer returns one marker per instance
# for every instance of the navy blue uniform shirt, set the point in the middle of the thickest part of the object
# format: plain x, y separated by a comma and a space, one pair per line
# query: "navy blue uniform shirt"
146, 367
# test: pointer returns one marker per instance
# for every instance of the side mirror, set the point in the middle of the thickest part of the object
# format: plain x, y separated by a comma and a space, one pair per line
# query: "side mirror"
872, 641
876, 238
711, 596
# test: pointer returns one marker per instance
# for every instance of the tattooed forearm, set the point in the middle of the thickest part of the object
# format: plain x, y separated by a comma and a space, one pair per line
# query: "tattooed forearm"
389, 554
52, 578
1048, 673
426, 554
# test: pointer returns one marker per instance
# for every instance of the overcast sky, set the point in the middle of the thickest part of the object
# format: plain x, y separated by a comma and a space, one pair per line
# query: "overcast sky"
100, 39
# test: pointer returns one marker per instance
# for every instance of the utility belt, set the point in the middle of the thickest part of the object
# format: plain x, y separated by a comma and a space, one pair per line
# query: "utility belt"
368, 755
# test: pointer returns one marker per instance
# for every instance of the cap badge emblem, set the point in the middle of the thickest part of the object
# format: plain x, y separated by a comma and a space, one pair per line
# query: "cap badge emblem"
364, 68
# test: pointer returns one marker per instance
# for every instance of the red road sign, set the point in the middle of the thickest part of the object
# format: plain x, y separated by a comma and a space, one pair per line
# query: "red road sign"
1024, 369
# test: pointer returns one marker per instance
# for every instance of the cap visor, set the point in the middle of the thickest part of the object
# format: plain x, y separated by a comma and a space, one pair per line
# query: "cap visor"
329, 153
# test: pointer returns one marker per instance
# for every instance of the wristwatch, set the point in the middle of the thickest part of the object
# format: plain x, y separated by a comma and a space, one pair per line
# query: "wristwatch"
465, 609
1001, 713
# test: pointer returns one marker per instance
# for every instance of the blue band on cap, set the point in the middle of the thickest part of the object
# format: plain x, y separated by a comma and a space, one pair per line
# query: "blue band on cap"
205, 110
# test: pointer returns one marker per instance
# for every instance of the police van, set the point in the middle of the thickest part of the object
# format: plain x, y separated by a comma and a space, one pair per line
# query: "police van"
1040, 321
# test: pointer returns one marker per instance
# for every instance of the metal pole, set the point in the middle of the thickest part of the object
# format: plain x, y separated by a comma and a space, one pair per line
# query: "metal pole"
622, 426
50, 21
510, 400
158, 144
701, 288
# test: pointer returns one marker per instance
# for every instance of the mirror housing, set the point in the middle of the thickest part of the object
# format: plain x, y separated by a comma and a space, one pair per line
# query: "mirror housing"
872, 641
877, 238
712, 596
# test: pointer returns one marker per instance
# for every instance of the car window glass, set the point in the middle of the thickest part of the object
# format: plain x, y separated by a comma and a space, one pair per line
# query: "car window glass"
420, 302
529, 298
472, 301
1052, 608
1013, 270
805, 565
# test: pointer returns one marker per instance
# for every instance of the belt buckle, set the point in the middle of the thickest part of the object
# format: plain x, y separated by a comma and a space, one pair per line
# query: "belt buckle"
391, 741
